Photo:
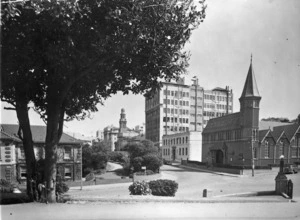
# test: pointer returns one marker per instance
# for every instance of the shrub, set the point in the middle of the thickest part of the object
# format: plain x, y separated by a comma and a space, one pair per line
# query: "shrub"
152, 162
149, 172
61, 187
137, 163
139, 188
163, 187
5, 186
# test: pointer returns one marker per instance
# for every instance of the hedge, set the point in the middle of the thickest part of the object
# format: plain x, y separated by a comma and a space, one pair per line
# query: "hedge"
163, 187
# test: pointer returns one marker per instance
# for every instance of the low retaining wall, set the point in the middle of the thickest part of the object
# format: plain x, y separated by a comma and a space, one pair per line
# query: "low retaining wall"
229, 170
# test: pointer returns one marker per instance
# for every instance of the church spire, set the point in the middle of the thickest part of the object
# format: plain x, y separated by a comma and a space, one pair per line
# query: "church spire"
250, 87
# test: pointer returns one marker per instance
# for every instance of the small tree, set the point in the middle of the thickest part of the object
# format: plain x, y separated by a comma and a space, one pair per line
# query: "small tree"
152, 162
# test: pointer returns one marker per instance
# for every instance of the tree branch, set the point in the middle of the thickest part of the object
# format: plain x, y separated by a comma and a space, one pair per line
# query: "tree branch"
9, 108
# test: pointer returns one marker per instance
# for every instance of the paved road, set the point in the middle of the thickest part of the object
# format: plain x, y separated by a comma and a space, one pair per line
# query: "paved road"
192, 183
152, 211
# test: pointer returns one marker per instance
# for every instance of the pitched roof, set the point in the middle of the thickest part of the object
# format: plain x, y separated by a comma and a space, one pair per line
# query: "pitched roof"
250, 87
227, 122
5, 136
289, 130
262, 134
38, 133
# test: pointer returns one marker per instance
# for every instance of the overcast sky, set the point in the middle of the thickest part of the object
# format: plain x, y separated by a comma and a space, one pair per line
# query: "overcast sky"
221, 48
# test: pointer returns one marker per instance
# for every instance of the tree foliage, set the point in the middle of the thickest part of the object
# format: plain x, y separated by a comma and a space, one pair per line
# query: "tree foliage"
65, 57
94, 158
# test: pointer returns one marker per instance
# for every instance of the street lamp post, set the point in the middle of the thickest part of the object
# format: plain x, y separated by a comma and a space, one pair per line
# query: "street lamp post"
252, 158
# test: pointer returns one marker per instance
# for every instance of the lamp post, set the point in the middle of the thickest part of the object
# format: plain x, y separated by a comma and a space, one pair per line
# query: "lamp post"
252, 158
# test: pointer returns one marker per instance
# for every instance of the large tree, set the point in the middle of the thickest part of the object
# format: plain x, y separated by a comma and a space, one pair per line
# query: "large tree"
67, 56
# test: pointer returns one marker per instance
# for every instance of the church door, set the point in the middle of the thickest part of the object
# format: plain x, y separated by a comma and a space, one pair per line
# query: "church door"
219, 156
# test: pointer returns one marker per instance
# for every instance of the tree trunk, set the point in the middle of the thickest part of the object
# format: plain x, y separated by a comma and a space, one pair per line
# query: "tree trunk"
24, 123
55, 113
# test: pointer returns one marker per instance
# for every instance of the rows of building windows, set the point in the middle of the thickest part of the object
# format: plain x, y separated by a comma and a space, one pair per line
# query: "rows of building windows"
179, 120
176, 128
176, 102
213, 114
198, 98
178, 94
219, 106
217, 98
176, 111
166, 151
282, 150
222, 136
175, 140
181, 151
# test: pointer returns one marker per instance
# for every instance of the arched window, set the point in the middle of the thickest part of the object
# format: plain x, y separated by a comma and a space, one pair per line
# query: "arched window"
267, 149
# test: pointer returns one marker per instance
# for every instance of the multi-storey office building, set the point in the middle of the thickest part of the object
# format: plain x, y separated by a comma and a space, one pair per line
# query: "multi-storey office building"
178, 108
217, 102
173, 110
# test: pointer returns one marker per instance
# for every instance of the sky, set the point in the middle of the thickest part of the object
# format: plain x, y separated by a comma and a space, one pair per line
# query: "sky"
220, 56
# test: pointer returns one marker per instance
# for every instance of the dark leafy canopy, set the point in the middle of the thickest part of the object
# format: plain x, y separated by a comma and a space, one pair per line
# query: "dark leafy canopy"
90, 49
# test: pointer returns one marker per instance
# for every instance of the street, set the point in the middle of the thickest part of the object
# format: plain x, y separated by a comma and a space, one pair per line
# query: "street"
152, 211
191, 185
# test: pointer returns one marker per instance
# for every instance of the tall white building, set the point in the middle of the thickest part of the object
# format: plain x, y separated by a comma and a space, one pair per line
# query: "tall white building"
178, 108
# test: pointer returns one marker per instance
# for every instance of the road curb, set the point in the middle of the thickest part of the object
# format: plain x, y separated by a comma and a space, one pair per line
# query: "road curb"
210, 171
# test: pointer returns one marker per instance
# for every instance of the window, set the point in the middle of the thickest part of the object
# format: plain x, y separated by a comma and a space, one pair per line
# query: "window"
281, 150
22, 153
23, 172
67, 154
68, 173
294, 151
186, 151
267, 149
179, 151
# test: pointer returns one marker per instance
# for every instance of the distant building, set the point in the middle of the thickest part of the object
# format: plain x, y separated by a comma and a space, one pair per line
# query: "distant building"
100, 135
12, 156
239, 138
119, 137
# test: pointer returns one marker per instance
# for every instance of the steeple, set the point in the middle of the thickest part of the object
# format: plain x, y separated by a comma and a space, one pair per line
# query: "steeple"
122, 121
250, 87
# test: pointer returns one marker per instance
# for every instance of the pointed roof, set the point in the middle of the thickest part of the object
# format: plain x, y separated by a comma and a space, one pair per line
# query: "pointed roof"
250, 87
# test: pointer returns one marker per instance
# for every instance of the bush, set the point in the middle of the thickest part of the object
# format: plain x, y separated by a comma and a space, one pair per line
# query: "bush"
149, 172
137, 163
163, 187
139, 188
5, 186
61, 187
152, 162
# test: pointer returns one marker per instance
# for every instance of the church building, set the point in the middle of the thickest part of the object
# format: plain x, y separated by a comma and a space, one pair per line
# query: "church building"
236, 139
